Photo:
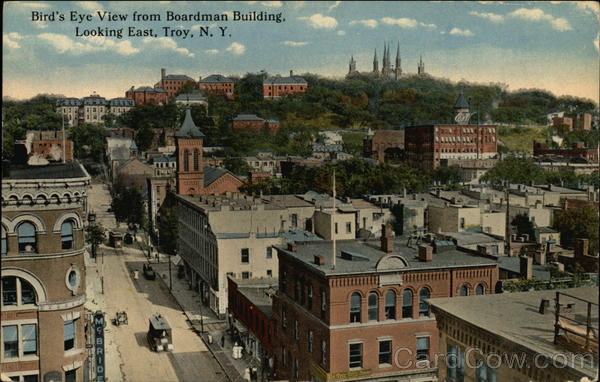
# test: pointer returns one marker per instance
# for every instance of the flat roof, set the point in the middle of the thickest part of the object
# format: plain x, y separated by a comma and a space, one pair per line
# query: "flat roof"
50, 171
515, 317
470, 238
257, 291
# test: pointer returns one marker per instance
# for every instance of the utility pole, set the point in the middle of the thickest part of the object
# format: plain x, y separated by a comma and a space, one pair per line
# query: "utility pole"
333, 249
507, 218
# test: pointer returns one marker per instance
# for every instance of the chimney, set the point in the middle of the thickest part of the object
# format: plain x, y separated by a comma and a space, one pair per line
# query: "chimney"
293, 247
540, 257
387, 244
425, 253
291, 73
319, 260
582, 247
482, 249
526, 267
163, 73
132, 88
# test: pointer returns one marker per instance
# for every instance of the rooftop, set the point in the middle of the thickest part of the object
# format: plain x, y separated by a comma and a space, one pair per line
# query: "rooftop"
258, 292
216, 78
470, 238
181, 77
515, 317
285, 80
367, 257
247, 117
50, 171
513, 265
188, 128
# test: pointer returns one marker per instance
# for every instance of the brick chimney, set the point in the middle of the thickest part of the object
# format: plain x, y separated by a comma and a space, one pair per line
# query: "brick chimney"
425, 253
526, 267
582, 247
319, 260
163, 73
292, 247
540, 257
387, 244
291, 73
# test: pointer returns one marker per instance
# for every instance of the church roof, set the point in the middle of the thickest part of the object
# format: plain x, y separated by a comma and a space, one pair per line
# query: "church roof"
461, 102
188, 128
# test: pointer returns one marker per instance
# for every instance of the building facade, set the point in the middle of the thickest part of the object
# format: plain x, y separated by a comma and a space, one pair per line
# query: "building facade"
276, 87
49, 144
146, 95
172, 84
576, 151
216, 84
43, 273
91, 109
383, 145
252, 122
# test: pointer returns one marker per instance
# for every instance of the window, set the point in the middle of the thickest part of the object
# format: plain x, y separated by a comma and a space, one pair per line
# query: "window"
17, 291
390, 305
4, 242
296, 368
323, 352
245, 275
283, 317
245, 255
423, 306
323, 303
336, 228
283, 355
464, 290
269, 252
71, 376
69, 334
309, 299
186, 160
348, 227
462, 222
30, 378
355, 302
294, 220
29, 339
480, 289
296, 330
407, 303
355, 356
296, 289
283, 279
66, 235
485, 373
196, 160
10, 341
26, 233
269, 273
456, 364
422, 348
310, 341
373, 307
9, 291
385, 352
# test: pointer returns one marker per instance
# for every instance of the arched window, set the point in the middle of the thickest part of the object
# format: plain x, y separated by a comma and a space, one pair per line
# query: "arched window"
390, 305
355, 302
26, 234
186, 160
66, 235
4, 242
423, 306
17, 291
480, 289
373, 307
464, 290
407, 303
196, 160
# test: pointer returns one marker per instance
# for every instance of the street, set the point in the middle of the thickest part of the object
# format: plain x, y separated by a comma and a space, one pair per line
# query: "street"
190, 360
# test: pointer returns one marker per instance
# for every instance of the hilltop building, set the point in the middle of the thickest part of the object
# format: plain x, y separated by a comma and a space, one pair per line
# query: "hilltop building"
217, 84
387, 69
146, 95
172, 84
276, 87
91, 109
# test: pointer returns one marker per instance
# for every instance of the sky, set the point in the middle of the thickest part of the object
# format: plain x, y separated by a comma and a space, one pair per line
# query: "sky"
549, 45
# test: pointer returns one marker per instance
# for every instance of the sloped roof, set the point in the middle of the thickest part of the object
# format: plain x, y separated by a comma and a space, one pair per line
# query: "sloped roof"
68, 102
121, 102
216, 78
190, 97
148, 89
178, 77
247, 117
461, 102
188, 128
213, 173
285, 80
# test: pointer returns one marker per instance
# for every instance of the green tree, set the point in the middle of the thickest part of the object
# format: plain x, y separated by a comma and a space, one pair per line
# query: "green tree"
237, 166
515, 170
447, 175
88, 141
95, 235
128, 206
576, 223
523, 225
168, 225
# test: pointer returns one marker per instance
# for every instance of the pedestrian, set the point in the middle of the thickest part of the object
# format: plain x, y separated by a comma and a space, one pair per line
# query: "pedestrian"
222, 341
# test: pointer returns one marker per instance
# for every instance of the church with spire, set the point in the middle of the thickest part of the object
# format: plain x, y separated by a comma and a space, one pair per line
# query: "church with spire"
387, 69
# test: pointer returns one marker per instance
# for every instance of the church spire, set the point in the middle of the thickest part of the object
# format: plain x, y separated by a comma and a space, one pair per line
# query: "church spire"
375, 62
398, 68
421, 67
352, 65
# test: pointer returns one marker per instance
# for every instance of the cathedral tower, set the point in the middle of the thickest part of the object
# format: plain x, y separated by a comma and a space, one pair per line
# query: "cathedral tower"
398, 68
352, 66
375, 63
421, 67
188, 150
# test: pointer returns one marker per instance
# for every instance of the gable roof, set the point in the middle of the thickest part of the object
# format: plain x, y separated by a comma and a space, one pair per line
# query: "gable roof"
188, 128
213, 173
285, 80
216, 78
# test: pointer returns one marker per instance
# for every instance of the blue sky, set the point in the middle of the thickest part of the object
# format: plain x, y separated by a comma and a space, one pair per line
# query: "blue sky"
551, 45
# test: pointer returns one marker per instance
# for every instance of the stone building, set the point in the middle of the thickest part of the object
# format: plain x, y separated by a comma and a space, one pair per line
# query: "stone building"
383, 145
276, 87
216, 84
172, 84
519, 336
365, 316
91, 109
43, 324
145, 95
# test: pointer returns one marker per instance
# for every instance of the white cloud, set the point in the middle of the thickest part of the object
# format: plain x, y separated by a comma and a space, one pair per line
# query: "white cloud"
64, 44
588, 6
40, 24
537, 14
236, 48
321, 22
461, 32
370, 23
212, 51
494, 17
295, 43
404, 22
9, 39
275, 4
91, 6
335, 5
167, 43
341, 33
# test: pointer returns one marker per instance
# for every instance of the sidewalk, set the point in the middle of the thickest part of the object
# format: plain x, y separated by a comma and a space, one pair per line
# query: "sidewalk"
191, 305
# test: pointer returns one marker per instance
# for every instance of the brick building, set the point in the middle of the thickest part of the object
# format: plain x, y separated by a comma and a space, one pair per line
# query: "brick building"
172, 84
519, 336
275, 87
49, 144
216, 84
383, 145
563, 123
43, 335
91, 109
146, 95
365, 317
254, 123
576, 151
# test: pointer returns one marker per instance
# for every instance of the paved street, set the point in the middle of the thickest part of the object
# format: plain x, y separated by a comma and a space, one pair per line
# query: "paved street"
190, 360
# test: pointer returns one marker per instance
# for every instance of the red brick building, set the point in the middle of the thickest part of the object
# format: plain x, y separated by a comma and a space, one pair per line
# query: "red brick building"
254, 123
172, 83
49, 144
365, 316
146, 95
565, 123
383, 144
275, 87
217, 84
577, 150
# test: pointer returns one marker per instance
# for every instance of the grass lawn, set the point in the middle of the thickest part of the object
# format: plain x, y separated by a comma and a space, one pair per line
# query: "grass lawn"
521, 138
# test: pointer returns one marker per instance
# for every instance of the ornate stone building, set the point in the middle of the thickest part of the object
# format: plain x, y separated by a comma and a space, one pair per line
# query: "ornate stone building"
43, 273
